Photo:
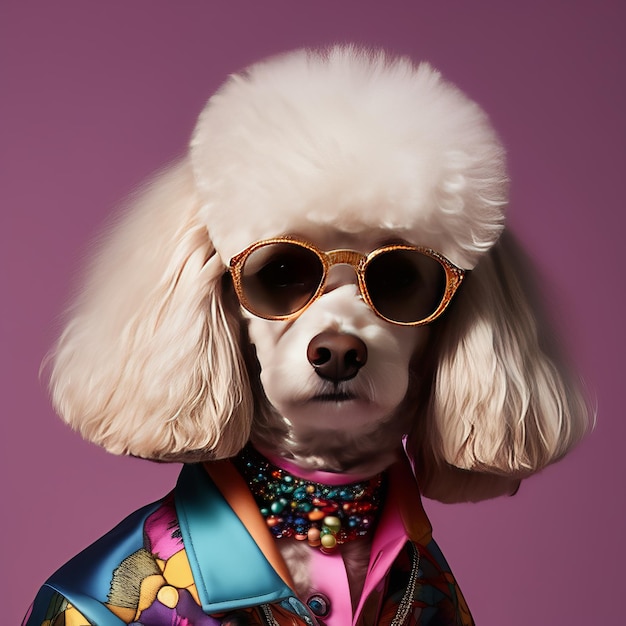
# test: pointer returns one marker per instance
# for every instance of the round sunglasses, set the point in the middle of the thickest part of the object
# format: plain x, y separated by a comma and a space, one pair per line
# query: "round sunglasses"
278, 278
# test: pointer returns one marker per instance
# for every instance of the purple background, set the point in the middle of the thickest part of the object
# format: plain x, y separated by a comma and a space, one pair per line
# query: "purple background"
95, 96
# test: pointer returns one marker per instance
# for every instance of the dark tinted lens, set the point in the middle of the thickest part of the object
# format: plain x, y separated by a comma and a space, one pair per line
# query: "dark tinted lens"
280, 278
405, 285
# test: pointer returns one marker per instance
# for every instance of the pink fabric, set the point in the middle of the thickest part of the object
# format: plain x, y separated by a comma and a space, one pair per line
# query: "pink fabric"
328, 576
316, 476
389, 539
159, 534
328, 571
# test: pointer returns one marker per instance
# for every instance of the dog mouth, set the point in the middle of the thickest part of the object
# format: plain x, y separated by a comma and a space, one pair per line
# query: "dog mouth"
336, 392
335, 396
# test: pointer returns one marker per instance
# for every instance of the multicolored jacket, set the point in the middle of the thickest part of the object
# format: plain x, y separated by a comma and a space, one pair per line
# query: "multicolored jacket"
203, 556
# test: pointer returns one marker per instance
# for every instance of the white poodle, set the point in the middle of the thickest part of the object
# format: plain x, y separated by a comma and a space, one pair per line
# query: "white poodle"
316, 293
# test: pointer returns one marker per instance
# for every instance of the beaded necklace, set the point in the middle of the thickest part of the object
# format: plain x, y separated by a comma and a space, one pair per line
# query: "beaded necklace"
324, 515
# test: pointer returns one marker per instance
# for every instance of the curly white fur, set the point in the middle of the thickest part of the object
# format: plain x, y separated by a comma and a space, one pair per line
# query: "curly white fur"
341, 145
350, 140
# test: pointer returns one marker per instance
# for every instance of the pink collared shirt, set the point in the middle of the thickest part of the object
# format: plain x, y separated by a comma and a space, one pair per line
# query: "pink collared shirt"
402, 519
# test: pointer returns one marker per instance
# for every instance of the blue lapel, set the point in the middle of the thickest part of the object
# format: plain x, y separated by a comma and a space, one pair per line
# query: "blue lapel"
229, 569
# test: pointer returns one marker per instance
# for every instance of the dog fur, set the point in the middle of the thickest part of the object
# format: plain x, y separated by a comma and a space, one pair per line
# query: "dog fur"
345, 148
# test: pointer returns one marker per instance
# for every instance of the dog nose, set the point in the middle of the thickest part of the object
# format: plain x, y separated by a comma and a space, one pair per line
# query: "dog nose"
336, 356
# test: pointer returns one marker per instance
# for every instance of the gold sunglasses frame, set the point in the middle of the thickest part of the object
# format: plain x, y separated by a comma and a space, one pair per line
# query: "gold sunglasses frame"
359, 262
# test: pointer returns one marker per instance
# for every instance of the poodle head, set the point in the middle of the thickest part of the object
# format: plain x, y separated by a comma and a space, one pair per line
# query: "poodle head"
342, 149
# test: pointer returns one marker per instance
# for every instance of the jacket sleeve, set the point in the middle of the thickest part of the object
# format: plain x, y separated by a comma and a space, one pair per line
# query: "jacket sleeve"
421, 591
50, 608
439, 600
78, 594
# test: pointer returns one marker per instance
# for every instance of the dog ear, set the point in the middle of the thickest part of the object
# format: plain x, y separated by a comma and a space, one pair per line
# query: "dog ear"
503, 402
149, 363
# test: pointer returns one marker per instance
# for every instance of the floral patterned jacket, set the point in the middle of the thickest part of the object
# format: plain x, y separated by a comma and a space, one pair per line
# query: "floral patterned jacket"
203, 556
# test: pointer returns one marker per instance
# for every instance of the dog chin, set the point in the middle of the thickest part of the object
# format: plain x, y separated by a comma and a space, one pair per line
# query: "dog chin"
341, 412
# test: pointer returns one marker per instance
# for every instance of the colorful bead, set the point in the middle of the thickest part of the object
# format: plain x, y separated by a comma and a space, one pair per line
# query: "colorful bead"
313, 535
325, 515
278, 506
